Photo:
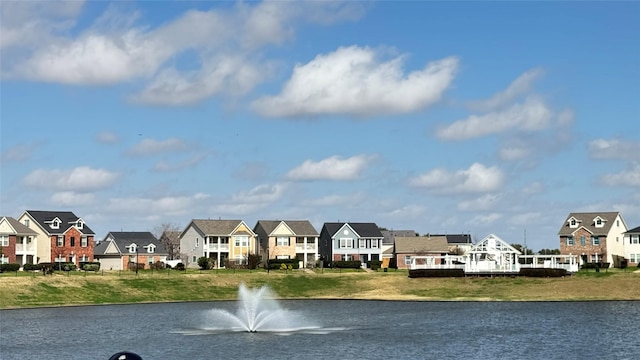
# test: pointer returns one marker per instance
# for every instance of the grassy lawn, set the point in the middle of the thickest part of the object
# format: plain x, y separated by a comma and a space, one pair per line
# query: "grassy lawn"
25, 289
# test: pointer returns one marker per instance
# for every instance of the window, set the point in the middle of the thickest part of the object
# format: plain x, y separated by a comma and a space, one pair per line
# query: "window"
347, 257
362, 243
79, 224
239, 260
72, 242
573, 223
282, 241
570, 241
374, 243
4, 240
26, 222
634, 258
595, 240
635, 239
84, 258
60, 241
407, 260
133, 248
282, 257
193, 259
83, 241
583, 240
55, 224
599, 223
4, 259
241, 240
197, 242
346, 243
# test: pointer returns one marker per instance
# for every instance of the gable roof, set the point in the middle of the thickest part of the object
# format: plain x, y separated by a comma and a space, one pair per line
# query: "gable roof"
457, 238
298, 227
586, 220
67, 218
122, 239
493, 244
368, 230
18, 228
635, 230
421, 244
216, 227
390, 235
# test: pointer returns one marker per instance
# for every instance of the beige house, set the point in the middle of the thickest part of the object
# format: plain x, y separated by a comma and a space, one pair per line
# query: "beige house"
288, 239
407, 247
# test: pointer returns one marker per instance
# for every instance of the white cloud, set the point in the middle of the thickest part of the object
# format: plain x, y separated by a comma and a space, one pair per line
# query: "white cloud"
334, 200
520, 86
165, 206
614, 149
17, 153
477, 179
484, 202
484, 219
79, 179
532, 115
354, 80
107, 137
332, 168
514, 152
165, 166
229, 74
247, 202
70, 198
627, 178
153, 147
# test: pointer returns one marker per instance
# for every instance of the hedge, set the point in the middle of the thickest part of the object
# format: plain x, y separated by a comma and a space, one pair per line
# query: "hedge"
353, 264
10, 267
276, 264
89, 265
543, 272
436, 273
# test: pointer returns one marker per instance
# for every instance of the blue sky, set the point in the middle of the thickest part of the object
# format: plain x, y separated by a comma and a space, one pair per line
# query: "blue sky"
441, 117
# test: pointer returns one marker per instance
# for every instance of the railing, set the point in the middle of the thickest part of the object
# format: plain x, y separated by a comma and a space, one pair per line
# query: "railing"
216, 247
25, 247
567, 262
300, 248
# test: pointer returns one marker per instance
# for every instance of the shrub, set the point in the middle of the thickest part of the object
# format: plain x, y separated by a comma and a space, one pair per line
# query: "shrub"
353, 264
275, 264
10, 267
203, 263
375, 264
180, 266
30, 267
91, 267
543, 272
436, 273
69, 267
83, 263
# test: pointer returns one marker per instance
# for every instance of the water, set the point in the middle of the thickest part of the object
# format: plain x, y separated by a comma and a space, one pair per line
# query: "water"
345, 330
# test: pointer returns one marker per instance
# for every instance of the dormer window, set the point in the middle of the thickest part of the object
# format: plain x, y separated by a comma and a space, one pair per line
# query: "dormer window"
55, 223
151, 249
133, 248
573, 223
598, 222
80, 224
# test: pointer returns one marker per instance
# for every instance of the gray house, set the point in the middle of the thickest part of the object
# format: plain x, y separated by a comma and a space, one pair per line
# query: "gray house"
122, 249
342, 241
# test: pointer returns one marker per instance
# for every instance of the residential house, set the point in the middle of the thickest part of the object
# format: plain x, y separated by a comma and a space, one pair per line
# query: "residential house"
62, 236
122, 250
288, 239
459, 244
597, 237
170, 240
17, 242
388, 242
407, 247
347, 241
632, 246
220, 240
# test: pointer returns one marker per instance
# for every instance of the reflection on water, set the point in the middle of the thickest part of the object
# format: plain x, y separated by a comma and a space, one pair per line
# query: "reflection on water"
344, 329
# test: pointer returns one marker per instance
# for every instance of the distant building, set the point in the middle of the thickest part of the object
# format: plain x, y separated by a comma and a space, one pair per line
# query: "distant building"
18, 243
121, 250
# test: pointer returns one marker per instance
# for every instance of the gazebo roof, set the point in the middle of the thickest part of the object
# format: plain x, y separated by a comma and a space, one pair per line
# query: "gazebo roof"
492, 244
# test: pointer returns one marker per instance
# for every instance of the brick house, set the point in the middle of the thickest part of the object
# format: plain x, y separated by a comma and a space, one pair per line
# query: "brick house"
17, 242
596, 237
62, 236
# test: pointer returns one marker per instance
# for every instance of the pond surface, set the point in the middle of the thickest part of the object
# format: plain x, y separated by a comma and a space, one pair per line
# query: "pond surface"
341, 330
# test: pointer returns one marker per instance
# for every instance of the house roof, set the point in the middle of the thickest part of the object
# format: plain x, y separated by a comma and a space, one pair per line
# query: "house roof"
216, 227
67, 218
122, 239
390, 235
635, 230
421, 244
369, 230
18, 228
586, 220
456, 238
299, 227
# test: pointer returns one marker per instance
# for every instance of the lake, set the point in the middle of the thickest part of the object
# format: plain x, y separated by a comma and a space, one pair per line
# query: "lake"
343, 329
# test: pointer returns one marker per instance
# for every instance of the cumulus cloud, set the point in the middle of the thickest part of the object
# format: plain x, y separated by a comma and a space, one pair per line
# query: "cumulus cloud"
70, 198
520, 86
532, 115
476, 179
617, 149
485, 219
153, 147
627, 178
246, 202
332, 168
166, 205
79, 179
484, 202
356, 81
17, 153
334, 200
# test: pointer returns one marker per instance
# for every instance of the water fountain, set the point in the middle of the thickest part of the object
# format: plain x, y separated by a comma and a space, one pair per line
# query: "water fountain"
257, 310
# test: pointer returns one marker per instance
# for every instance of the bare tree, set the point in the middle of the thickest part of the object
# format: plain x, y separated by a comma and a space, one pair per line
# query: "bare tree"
169, 236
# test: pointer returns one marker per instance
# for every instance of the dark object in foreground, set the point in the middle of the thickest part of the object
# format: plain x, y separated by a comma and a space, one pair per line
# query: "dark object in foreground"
529, 272
125, 355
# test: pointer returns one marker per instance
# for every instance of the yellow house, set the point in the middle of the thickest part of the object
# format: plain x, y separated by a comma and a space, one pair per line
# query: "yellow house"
227, 242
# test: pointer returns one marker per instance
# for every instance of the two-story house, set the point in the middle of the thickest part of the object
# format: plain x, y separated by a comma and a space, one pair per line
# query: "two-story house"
62, 236
596, 237
122, 250
221, 240
348, 241
288, 239
17, 242
632, 246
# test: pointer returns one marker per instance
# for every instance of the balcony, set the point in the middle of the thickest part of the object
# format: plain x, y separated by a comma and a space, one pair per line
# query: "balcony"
307, 247
26, 248
216, 247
